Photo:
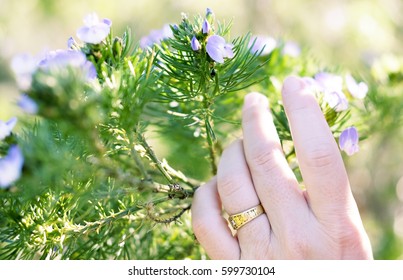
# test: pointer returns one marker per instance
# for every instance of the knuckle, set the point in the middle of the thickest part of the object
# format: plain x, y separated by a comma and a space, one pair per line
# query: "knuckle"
348, 236
354, 243
321, 156
230, 184
347, 231
264, 159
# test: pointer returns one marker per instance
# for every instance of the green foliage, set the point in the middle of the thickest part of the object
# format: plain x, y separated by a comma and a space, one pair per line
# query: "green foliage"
94, 184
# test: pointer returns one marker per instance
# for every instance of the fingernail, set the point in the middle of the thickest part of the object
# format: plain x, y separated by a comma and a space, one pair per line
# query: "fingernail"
255, 99
292, 84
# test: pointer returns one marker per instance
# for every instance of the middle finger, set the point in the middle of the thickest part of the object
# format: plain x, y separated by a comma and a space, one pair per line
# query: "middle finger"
274, 180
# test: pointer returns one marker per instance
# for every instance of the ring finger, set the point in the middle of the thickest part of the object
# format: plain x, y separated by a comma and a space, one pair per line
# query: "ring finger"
238, 194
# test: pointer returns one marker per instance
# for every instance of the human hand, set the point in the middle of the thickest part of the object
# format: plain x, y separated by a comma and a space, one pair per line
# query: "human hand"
321, 222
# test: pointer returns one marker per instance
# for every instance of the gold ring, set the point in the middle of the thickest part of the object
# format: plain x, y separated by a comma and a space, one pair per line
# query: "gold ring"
239, 220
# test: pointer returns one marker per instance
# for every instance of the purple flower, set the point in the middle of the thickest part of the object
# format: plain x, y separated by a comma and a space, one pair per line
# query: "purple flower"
331, 86
62, 58
263, 44
94, 31
357, 90
27, 105
7, 127
336, 100
218, 49
206, 27
11, 166
156, 36
23, 66
291, 49
195, 44
348, 141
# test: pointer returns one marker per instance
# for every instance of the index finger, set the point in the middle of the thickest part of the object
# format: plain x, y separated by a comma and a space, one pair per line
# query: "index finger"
318, 155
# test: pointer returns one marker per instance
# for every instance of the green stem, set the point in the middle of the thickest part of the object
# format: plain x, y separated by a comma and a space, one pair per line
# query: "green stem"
192, 183
170, 219
208, 100
208, 125
211, 145
138, 161
154, 158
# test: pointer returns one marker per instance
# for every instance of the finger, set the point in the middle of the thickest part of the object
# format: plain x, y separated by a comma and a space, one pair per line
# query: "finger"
318, 155
237, 194
274, 181
210, 227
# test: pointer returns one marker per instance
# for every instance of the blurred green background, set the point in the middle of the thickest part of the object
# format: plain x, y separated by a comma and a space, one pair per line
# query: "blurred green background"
347, 34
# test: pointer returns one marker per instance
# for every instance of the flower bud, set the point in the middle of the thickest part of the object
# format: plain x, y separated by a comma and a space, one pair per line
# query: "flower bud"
195, 44
206, 27
71, 43
117, 47
210, 15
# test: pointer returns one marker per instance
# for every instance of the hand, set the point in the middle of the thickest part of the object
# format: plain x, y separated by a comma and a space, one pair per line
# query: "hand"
321, 222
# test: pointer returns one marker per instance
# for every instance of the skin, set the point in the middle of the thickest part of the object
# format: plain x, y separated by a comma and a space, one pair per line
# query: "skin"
320, 222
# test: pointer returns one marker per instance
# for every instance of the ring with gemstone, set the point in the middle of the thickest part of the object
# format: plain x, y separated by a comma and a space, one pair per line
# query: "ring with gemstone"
238, 220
